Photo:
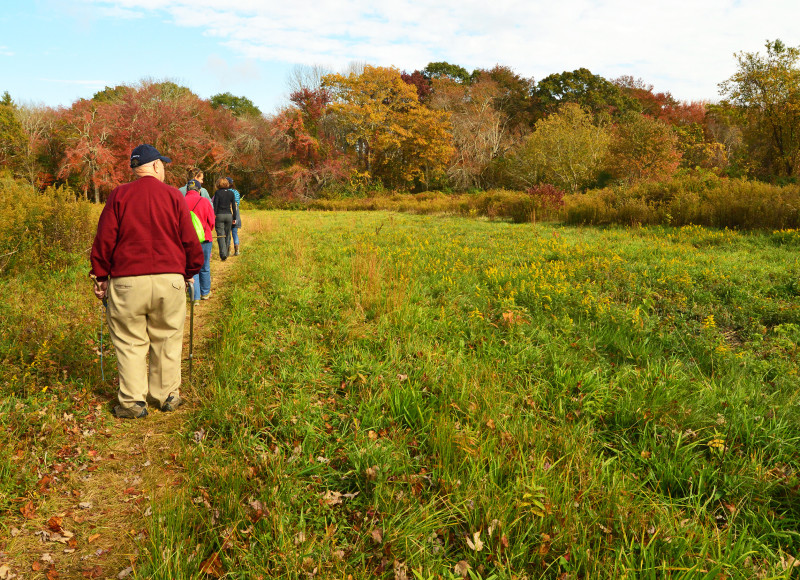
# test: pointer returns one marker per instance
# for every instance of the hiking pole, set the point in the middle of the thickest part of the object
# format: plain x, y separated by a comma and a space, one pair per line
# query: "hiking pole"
105, 307
190, 291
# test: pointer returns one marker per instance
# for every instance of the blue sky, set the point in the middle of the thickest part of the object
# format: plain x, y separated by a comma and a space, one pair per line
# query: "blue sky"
54, 52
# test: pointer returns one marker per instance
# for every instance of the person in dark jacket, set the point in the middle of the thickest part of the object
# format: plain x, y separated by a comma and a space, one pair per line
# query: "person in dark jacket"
144, 253
237, 226
204, 211
225, 216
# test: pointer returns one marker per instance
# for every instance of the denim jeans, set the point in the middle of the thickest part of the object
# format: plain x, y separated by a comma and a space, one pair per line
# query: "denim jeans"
202, 281
235, 232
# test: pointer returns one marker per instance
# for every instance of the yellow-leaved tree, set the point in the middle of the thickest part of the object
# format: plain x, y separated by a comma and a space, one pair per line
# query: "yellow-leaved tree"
566, 149
395, 138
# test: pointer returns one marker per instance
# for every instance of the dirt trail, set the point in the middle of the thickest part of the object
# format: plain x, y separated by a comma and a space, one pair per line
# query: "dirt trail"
87, 518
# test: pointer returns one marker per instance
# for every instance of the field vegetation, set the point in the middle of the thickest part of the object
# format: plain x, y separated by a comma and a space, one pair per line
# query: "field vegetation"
400, 395
423, 396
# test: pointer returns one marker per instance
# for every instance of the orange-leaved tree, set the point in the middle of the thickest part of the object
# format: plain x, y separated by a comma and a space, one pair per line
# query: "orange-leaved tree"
643, 149
380, 120
308, 158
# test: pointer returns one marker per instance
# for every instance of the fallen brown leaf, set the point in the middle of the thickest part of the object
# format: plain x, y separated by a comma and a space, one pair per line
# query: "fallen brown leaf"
44, 483
462, 568
28, 511
377, 535
54, 524
213, 566
93, 537
95, 572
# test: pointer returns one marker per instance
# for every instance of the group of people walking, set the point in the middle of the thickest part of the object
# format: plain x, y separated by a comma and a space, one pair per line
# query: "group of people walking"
219, 215
146, 252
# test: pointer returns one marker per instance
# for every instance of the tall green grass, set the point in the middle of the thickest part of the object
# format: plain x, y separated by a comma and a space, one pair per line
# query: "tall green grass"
397, 395
49, 336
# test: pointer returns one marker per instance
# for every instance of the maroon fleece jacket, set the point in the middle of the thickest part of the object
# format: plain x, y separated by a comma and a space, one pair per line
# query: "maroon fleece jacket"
145, 228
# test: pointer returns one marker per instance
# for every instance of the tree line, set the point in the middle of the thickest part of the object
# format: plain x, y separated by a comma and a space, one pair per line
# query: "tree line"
374, 128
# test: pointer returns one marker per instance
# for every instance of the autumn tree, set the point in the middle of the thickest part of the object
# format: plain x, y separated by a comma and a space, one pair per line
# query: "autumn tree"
380, 119
688, 119
12, 137
445, 70
98, 135
310, 160
35, 158
642, 149
766, 88
567, 149
515, 98
239, 106
420, 81
599, 96
90, 157
479, 129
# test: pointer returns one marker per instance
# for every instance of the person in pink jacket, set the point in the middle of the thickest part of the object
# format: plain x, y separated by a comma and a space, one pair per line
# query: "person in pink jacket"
205, 212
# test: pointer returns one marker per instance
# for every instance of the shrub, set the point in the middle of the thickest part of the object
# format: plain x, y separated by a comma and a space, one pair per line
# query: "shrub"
44, 228
700, 199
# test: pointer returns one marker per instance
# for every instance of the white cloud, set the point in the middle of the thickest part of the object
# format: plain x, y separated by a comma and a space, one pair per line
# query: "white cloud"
229, 75
5, 51
684, 46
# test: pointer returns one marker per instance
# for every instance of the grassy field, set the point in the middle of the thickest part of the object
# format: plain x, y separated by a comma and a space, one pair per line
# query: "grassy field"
412, 396
423, 397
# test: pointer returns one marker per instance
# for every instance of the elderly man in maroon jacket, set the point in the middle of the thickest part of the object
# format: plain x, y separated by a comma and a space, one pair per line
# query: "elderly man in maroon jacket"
144, 253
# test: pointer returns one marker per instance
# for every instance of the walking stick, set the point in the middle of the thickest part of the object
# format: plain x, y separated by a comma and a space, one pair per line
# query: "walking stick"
190, 290
105, 307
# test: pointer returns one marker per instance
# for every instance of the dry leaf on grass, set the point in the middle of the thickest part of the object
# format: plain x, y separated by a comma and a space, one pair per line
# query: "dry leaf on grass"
5, 573
400, 570
28, 511
462, 568
95, 572
54, 524
212, 566
377, 535
477, 544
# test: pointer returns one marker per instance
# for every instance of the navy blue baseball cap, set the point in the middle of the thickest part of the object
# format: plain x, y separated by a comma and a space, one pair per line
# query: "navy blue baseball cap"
145, 154
193, 185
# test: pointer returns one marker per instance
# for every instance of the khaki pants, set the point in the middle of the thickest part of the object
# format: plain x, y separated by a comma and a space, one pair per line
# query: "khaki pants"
146, 315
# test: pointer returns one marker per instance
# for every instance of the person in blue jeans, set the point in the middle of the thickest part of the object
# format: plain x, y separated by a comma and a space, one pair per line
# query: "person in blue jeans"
238, 224
205, 212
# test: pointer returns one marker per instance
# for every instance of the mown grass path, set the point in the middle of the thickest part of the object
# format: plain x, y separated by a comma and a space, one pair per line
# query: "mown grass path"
86, 521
